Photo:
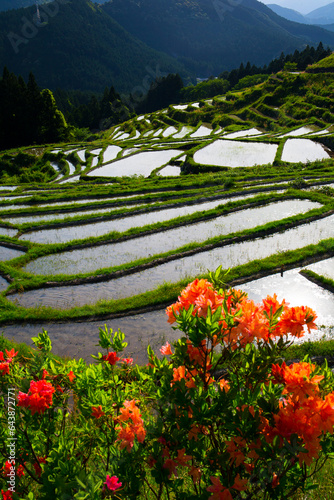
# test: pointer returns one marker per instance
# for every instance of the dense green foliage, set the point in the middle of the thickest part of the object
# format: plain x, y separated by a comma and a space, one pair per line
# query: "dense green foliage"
28, 115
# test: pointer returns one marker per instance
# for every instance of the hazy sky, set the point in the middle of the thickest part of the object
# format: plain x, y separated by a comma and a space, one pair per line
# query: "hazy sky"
303, 6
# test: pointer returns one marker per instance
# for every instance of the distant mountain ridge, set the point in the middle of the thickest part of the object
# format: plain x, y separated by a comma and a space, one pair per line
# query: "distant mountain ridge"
77, 44
322, 16
208, 37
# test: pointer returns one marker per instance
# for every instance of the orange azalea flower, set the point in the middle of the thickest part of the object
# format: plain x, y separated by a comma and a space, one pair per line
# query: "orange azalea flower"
235, 448
39, 397
71, 376
134, 429
97, 411
297, 378
224, 385
166, 349
293, 320
201, 295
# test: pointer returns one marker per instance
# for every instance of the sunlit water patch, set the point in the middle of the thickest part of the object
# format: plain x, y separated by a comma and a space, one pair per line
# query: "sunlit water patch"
303, 150
139, 164
169, 170
82, 155
181, 106
299, 131
297, 291
324, 268
202, 131
57, 217
96, 151
236, 153
110, 153
8, 231
89, 259
244, 133
122, 224
9, 253
169, 131
7, 188
71, 168
3, 283
183, 132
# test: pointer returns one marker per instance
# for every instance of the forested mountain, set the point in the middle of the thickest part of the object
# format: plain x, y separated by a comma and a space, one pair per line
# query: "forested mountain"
17, 4
212, 36
76, 45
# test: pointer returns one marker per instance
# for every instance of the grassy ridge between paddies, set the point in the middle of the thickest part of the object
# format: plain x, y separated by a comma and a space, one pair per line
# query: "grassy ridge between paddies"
29, 281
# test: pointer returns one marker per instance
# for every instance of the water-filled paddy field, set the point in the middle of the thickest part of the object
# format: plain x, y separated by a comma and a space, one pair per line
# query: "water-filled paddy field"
150, 155
229, 256
119, 253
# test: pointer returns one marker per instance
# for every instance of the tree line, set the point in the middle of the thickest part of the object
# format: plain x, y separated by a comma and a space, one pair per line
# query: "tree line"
28, 115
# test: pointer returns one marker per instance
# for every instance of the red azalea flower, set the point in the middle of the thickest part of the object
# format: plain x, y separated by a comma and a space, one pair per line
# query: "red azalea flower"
97, 411
7, 495
111, 483
111, 357
11, 354
39, 397
4, 368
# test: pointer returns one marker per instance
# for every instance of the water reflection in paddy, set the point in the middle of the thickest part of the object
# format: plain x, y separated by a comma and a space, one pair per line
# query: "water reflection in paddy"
80, 339
303, 150
186, 267
297, 291
121, 225
9, 253
223, 152
324, 268
55, 217
7, 231
138, 164
120, 253
3, 284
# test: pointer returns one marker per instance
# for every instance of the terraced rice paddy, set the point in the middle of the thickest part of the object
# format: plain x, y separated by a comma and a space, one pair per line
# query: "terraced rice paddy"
139, 282
236, 154
159, 159
120, 253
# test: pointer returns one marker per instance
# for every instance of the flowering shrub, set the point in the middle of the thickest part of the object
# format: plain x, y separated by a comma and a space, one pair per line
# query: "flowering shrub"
218, 415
